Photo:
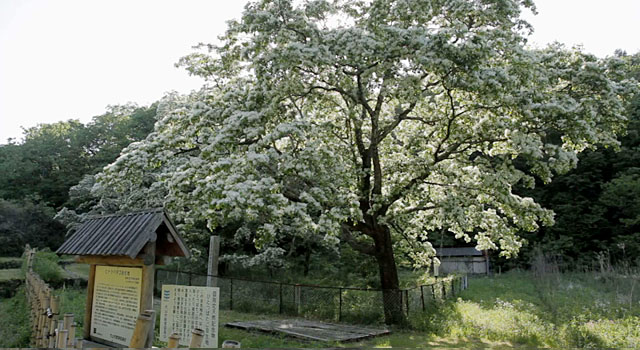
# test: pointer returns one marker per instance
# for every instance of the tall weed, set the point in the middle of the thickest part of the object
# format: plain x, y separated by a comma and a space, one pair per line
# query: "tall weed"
15, 329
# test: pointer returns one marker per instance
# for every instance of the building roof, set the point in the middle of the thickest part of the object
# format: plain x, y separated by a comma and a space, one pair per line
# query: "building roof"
124, 234
459, 251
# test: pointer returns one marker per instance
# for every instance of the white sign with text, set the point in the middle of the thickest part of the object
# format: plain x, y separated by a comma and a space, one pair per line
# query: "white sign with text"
116, 303
185, 308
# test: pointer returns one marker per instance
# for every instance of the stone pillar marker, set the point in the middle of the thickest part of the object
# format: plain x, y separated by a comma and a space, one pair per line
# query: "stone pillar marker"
212, 267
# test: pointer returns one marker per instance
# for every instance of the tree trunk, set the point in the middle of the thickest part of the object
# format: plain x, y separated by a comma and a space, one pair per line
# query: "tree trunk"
391, 294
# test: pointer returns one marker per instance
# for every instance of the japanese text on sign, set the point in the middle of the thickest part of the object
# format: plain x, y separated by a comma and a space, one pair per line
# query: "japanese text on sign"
116, 303
185, 308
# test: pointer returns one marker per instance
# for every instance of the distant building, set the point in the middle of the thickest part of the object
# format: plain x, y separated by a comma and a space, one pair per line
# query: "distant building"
462, 260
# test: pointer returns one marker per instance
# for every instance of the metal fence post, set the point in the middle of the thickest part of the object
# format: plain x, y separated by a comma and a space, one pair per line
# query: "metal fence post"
422, 297
444, 290
406, 301
340, 306
433, 292
280, 305
294, 297
231, 294
298, 299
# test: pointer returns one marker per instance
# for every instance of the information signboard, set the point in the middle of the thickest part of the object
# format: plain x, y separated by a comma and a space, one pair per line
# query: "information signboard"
185, 308
116, 303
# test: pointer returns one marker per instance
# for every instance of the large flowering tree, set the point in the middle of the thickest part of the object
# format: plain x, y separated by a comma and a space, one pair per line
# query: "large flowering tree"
374, 123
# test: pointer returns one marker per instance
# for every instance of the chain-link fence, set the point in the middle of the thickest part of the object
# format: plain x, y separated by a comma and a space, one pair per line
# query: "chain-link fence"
362, 305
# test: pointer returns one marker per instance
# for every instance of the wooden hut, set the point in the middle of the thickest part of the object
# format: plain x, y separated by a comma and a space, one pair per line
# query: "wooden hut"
122, 250
463, 260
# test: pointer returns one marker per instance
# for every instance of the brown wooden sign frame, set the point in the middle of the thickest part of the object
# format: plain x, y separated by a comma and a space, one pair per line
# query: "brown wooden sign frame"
140, 239
146, 292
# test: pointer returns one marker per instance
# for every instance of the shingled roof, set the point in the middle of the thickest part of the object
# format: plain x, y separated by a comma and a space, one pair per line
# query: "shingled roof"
459, 251
124, 234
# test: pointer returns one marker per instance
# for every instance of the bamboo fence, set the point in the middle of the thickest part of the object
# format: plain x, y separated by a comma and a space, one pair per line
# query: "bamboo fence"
49, 329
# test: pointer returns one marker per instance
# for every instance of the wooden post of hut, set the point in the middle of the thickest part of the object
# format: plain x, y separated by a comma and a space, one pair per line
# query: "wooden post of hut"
122, 251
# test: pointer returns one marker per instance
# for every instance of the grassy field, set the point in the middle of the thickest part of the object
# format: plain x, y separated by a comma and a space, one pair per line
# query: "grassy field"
560, 310
79, 270
516, 309
10, 274
14, 321
511, 310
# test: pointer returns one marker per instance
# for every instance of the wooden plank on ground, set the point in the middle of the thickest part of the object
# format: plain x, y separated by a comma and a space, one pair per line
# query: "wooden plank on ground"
311, 330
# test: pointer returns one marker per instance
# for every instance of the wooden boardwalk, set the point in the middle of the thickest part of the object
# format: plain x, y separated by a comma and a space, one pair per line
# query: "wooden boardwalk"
310, 330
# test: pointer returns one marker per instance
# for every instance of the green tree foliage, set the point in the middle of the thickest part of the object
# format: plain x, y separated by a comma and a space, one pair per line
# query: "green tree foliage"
597, 204
23, 222
54, 157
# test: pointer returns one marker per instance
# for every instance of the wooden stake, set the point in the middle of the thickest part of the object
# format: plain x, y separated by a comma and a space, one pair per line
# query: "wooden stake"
143, 327
44, 305
55, 305
52, 341
174, 341
63, 336
89, 302
146, 289
71, 342
58, 334
197, 335
52, 332
43, 338
68, 321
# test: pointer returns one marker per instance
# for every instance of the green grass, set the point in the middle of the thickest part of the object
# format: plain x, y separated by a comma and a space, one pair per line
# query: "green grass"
10, 262
14, 321
80, 270
11, 274
72, 301
570, 310
67, 258
512, 310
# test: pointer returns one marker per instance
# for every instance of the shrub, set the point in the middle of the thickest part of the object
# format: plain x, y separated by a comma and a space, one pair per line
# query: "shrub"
46, 265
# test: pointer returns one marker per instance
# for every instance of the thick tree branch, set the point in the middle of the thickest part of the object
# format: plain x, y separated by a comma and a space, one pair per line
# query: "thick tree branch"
399, 118
436, 153
362, 98
399, 193
186, 150
419, 208
359, 246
